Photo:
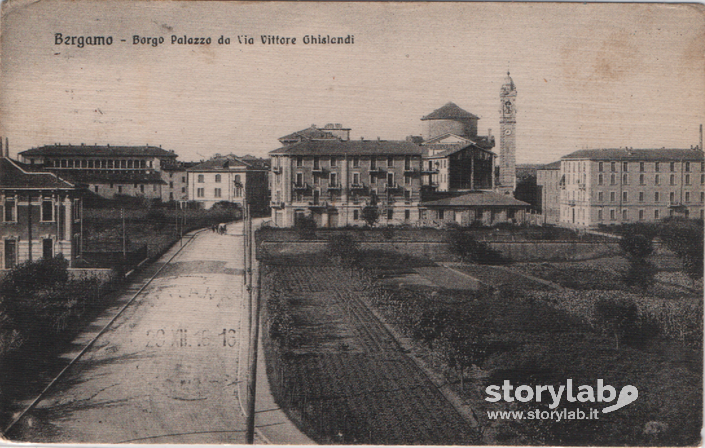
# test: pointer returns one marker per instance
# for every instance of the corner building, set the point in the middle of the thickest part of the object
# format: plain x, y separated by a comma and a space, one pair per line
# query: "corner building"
323, 174
616, 186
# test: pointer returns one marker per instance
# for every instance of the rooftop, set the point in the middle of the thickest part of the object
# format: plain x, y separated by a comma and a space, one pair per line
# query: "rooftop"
477, 199
12, 175
351, 147
231, 162
449, 111
663, 154
551, 166
97, 151
311, 133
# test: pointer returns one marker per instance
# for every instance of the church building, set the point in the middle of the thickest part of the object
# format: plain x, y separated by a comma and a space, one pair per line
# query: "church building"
450, 176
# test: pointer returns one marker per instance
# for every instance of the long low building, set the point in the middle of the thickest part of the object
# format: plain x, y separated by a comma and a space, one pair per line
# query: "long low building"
626, 185
145, 171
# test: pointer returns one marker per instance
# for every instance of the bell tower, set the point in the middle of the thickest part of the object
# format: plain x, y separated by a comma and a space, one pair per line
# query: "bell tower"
507, 180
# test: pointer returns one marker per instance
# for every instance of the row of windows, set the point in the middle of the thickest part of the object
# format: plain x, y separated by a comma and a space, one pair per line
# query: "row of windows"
390, 214
354, 197
99, 163
642, 166
642, 179
46, 210
218, 192
333, 161
333, 180
96, 188
641, 196
202, 178
641, 214
183, 178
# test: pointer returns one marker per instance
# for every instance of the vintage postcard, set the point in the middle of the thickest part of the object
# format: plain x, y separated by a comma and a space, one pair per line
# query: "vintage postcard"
345, 223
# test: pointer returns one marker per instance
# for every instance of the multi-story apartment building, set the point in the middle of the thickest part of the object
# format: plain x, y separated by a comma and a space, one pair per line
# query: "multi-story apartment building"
613, 186
325, 175
107, 170
175, 178
548, 179
230, 179
40, 215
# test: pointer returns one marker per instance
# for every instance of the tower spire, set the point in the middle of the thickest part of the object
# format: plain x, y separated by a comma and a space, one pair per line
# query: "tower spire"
507, 139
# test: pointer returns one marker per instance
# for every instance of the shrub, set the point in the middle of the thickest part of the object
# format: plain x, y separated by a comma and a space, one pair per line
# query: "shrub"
636, 246
370, 214
306, 227
37, 275
641, 274
344, 249
157, 218
685, 238
464, 245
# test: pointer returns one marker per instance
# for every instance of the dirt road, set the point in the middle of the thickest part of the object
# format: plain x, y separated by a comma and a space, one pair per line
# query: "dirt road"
166, 371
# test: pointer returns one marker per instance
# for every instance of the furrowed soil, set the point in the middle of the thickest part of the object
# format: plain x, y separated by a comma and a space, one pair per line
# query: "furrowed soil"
340, 373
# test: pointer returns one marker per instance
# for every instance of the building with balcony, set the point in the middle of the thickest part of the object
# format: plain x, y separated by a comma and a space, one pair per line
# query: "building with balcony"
327, 176
105, 170
40, 215
233, 179
616, 186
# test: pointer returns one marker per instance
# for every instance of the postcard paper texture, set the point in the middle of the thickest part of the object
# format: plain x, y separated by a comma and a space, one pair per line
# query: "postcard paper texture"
342, 223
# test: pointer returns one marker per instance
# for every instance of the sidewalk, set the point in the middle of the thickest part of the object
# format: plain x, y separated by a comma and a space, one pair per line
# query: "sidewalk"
271, 422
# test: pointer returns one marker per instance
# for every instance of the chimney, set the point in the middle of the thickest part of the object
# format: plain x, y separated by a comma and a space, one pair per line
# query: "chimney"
2, 153
701, 137
7, 148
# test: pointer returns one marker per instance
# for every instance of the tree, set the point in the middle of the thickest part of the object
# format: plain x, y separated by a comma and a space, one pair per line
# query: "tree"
464, 245
344, 249
370, 214
636, 246
641, 273
684, 237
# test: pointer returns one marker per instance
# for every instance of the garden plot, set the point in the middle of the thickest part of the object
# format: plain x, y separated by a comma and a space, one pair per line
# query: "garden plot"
340, 373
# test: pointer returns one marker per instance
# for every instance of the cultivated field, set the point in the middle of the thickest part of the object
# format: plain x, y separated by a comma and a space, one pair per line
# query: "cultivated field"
346, 377
341, 374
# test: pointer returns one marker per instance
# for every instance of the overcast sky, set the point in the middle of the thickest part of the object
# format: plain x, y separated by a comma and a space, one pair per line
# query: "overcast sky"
596, 75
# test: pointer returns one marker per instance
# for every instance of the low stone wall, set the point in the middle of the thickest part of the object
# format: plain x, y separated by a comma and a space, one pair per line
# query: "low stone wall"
437, 251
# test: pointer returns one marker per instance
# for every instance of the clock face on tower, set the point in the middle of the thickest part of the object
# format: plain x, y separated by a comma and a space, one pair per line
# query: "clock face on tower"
508, 132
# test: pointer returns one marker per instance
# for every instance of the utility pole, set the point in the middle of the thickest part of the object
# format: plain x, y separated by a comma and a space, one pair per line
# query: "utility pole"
253, 297
80, 241
124, 237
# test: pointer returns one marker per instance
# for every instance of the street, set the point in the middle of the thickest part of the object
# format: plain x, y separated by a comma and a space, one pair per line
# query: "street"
167, 370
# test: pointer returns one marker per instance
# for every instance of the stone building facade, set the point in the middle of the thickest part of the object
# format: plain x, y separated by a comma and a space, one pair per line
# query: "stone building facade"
106, 170
548, 179
229, 179
40, 215
331, 179
615, 186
